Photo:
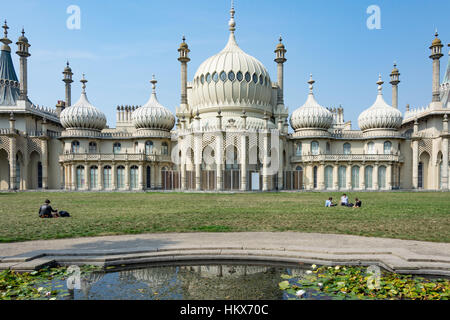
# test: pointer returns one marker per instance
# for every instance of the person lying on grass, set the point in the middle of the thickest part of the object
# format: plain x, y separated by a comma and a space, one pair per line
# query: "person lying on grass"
46, 211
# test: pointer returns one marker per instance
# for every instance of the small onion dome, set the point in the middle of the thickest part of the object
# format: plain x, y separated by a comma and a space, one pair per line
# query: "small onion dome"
380, 115
436, 41
280, 45
67, 68
184, 45
395, 70
83, 115
311, 115
22, 38
153, 115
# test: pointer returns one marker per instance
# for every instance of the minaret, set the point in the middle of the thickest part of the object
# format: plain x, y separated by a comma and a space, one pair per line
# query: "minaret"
68, 80
280, 59
436, 54
395, 80
23, 53
184, 59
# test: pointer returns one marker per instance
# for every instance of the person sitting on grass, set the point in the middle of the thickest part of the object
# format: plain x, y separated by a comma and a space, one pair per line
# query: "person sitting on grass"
344, 200
46, 211
357, 203
329, 203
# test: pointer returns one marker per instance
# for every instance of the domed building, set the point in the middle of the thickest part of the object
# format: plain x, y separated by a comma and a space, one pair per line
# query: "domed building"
231, 131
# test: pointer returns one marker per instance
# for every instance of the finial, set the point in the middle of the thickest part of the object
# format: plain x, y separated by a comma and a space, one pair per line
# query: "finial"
244, 113
67, 62
281, 39
232, 23
436, 34
83, 81
153, 82
380, 84
311, 82
184, 39
445, 118
5, 27
219, 112
395, 64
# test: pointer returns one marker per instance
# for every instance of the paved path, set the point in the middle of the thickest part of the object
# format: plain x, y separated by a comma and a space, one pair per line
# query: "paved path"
403, 256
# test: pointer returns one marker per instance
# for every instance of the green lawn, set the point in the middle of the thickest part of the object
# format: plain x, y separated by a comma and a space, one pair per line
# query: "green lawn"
417, 216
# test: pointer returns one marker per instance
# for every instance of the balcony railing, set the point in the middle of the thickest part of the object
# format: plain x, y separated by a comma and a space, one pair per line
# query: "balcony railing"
114, 157
347, 157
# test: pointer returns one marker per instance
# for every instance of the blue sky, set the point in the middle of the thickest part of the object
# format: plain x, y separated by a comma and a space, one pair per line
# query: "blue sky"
122, 43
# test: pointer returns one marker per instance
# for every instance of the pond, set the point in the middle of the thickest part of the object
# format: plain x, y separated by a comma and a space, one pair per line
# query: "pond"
195, 282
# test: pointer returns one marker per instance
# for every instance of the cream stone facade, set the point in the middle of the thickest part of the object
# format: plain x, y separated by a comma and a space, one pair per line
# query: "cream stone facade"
230, 132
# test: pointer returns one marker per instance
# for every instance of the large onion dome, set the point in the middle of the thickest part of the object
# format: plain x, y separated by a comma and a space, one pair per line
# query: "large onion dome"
380, 115
311, 115
83, 115
231, 79
153, 115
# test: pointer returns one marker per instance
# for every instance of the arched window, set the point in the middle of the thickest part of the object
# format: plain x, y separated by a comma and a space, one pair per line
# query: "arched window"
371, 148
134, 173
148, 147
239, 76
120, 177
231, 76
255, 78
387, 147
420, 176
208, 78
223, 76
328, 148
80, 177
328, 177
93, 177
164, 149
215, 77
136, 147
347, 148
298, 149
116, 147
39, 174
75, 146
107, 177
92, 147
382, 177
314, 148
342, 177
355, 177
248, 77
368, 174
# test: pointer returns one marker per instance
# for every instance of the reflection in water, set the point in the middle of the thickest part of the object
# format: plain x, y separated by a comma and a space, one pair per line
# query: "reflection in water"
207, 282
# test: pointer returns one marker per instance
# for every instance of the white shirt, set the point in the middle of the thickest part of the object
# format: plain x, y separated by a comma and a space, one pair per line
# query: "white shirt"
344, 199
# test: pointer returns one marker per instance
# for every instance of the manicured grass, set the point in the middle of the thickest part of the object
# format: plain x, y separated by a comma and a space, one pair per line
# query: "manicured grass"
404, 215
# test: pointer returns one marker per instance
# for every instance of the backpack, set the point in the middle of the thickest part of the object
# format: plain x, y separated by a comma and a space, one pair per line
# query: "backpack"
64, 214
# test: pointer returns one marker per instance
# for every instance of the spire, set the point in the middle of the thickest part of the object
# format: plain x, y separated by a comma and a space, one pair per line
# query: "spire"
153, 82
5, 39
83, 81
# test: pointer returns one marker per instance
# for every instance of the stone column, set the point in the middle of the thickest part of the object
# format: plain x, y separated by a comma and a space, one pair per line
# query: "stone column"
375, 177
362, 177
265, 178
198, 159
336, 176
44, 146
62, 175
321, 176
113, 177
86, 176
349, 176
183, 175
389, 176
12, 163
219, 161
309, 176
100, 176
153, 173
73, 176
243, 162
280, 165
415, 164
127, 176
141, 175
445, 163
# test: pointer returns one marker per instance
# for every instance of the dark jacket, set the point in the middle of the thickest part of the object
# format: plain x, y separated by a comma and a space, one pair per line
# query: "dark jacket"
46, 210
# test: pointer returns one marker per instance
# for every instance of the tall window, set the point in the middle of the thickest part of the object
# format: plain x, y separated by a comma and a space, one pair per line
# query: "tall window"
17, 172
387, 147
134, 177
136, 147
92, 147
328, 148
382, 177
93, 177
107, 177
328, 177
368, 172
298, 149
355, 177
347, 148
371, 148
39, 174
315, 148
342, 177
420, 178
149, 181
315, 177
164, 149
120, 177
75, 146
116, 147
149, 147
80, 177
